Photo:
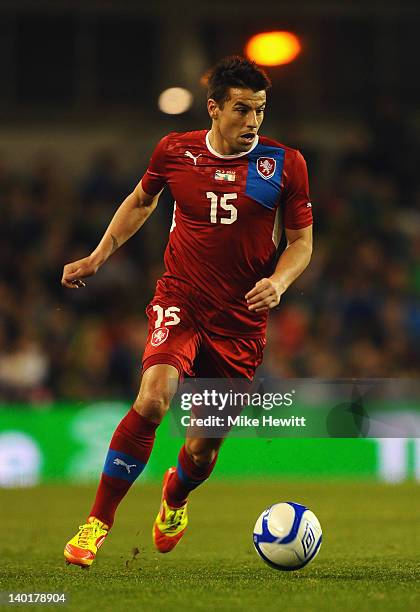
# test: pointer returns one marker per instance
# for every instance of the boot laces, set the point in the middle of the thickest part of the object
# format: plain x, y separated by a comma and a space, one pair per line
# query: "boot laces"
87, 531
175, 517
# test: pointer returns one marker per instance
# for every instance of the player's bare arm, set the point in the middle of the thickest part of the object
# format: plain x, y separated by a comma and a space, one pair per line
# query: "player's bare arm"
268, 291
128, 219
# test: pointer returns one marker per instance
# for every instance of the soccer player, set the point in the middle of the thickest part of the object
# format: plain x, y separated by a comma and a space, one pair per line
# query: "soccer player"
233, 192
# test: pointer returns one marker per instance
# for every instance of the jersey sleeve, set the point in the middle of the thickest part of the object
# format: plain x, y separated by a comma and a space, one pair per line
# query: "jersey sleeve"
154, 178
297, 204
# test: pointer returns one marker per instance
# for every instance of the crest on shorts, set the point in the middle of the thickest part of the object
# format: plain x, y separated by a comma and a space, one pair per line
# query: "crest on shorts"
159, 336
266, 167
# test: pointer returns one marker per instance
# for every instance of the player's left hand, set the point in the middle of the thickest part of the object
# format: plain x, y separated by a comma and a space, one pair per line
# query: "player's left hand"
265, 295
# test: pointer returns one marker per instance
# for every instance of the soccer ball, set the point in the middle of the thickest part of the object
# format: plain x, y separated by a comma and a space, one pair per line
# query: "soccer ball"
287, 536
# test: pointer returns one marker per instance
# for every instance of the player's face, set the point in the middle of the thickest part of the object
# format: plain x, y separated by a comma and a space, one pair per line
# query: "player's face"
237, 122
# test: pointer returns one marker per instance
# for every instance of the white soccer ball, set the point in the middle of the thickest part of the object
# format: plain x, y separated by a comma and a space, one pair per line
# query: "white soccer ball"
287, 536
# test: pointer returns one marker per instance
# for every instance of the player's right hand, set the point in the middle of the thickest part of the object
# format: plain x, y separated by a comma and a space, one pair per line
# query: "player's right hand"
73, 273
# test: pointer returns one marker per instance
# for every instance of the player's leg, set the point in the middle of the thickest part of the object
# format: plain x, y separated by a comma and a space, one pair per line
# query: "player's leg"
196, 461
127, 457
169, 352
220, 357
132, 442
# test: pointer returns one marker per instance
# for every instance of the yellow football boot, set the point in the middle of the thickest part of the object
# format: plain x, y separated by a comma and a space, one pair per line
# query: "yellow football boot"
170, 523
81, 550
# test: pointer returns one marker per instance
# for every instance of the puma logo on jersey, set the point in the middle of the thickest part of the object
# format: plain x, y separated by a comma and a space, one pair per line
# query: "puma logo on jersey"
189, 154
119, 461
309, 205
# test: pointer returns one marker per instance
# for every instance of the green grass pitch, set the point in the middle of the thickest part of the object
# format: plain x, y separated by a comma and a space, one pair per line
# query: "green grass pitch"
369, 559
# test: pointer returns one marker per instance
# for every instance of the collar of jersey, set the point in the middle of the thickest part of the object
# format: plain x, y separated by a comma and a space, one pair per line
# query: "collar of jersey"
210, 148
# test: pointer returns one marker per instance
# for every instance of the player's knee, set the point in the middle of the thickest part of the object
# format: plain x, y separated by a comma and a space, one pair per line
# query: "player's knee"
200, 455
154, 397
151, 407
152, 403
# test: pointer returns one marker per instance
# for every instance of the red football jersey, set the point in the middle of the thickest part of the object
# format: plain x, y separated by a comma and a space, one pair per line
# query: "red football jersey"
228, 216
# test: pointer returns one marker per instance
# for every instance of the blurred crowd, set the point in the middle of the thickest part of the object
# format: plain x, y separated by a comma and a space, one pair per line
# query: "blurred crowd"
354, 313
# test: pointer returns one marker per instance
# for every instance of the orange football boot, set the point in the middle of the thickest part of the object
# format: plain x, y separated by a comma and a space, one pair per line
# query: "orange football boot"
81, 550
170, 523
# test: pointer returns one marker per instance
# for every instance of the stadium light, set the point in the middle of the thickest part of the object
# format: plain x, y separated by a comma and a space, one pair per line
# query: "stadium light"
175, 100
273, 48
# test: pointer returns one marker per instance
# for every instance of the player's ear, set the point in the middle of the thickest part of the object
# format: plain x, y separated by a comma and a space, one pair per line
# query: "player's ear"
213, 108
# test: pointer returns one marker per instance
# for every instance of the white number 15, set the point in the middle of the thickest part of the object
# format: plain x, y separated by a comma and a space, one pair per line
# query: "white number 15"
214, 202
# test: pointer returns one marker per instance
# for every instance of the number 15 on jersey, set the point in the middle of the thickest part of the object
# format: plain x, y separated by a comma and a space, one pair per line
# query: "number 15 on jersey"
218, 205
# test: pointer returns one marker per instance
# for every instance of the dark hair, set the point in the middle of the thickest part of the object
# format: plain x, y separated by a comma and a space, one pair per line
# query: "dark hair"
234, 71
